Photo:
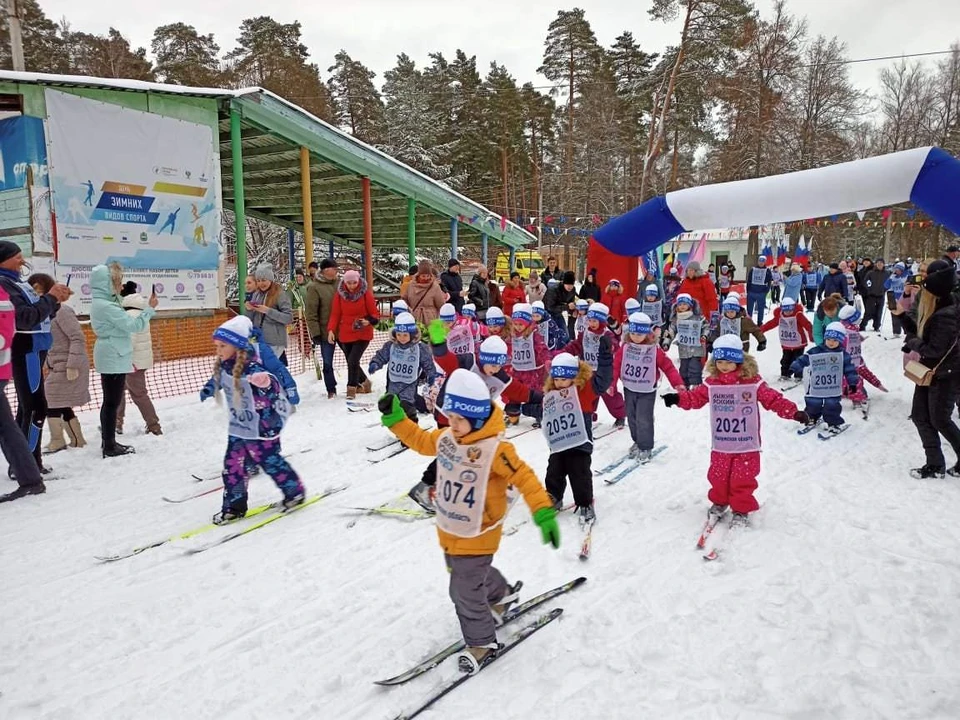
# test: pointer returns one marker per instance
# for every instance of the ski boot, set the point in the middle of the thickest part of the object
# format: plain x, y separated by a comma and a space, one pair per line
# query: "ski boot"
512, 420
506, 602
927, 472
536, 425
634, 452
557, 504
473, 659
586, 514
716, 511
739, 520
228, 516
954, 471
644, 456
292, 502
835, 429
422, 496
619, 423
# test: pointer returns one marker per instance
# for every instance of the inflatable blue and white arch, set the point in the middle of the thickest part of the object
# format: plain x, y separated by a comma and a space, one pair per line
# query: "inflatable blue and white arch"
928, 177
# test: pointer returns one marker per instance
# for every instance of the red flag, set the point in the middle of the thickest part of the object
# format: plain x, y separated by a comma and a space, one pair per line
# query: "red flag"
503, 223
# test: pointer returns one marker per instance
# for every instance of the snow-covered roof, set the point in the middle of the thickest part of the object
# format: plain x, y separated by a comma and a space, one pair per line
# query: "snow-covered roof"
119, 84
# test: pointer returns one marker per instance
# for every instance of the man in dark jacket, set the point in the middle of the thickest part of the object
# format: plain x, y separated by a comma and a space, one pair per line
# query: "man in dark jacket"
874, 292
560, 299
318, 302
759, 279
30, 344
551, 272
452, 284
833, 282
860, 273
479, 291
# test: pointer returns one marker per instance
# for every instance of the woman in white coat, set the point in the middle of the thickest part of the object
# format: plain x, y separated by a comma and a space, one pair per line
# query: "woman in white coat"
134, 303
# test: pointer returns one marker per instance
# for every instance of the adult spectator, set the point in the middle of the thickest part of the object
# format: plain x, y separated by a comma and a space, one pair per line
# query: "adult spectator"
793, 283
134, 304
827, 312
874, 293
352, 318
496, 300
479, 291
113, 350
933, 336
590, 290
759, 280
452, 283
513, 293
951, 254
860, 273
312, 270
269, 309
318, 303
560, 299
33, 314
535, 287
67, 373
833, 283
408, 278
698, 286
552, 271
424, 295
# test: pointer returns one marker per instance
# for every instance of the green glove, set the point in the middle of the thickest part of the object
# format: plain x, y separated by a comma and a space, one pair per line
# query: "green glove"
437, 332
390, 408
546, 520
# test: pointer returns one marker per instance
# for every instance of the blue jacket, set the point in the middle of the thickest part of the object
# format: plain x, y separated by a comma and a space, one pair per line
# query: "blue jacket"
792, 285
272, 364
849, 371
833, 283
557, 337
764, 287
895, 284
113, 350
405, 391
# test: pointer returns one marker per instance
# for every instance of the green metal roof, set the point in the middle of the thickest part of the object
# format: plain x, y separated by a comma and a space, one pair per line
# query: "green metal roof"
273, 131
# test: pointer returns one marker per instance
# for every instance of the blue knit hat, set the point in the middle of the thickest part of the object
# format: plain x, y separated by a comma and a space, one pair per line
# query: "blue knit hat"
835, 331
599, 311
523, 312
731, 302
236, 332
469, 310
728, 347
849, 313
495, 317
685, 298
448, 313
399, 306
651, 290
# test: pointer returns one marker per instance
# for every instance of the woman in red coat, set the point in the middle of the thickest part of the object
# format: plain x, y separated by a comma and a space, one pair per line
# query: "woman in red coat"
613, 298
352, 317
512, 294
701, 288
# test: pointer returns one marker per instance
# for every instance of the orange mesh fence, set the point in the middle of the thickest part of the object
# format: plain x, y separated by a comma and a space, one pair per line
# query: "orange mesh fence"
183, 356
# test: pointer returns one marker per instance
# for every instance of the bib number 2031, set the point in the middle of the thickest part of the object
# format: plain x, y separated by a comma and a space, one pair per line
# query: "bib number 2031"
731, 425
451, 493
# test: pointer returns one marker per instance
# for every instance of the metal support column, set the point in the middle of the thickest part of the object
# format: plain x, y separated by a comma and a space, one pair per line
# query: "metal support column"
291, 253
306, 202
330, 252
367, 230
411, 231
513, 261
483, 248
454, 227
239, 205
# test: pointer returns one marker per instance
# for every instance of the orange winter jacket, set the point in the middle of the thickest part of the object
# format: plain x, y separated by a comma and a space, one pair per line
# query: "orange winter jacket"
508, 469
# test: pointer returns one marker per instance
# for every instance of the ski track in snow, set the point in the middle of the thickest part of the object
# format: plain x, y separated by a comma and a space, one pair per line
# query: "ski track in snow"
839, 602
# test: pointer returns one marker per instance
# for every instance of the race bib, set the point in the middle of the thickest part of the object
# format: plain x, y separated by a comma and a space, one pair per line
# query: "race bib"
521, 353
734, 418
244, 418
688, 333
494, 384
460, 340
730, 327
638, 369
758, 276
544, 330
654, 310
463, 472
563, 423
591, 349
823, 378
580, 325
854, 342
789, 334
724, 282
404, 366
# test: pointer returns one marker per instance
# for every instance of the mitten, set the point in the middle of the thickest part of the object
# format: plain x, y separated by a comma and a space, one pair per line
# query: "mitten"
391, 410
293, 395
671, 399
761, 346
208, 390
801, 417
437, 332
546, 520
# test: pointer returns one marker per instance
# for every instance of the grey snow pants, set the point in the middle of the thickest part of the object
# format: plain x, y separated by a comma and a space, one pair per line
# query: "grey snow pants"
475, 585
640, 417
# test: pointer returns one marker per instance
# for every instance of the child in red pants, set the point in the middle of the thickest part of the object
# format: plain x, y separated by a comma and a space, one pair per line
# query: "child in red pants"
734, 390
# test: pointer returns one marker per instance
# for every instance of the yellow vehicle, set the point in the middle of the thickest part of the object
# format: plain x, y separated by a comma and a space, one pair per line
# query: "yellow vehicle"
524, 262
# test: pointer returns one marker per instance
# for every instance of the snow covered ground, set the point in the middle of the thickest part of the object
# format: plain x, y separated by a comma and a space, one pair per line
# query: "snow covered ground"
840, 602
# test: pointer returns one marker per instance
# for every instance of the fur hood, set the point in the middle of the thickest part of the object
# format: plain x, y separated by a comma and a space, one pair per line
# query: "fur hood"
748, 371
356, 294
580, 381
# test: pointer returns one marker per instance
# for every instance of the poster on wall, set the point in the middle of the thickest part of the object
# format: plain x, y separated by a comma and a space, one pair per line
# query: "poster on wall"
176, 289
24, 187
136, 188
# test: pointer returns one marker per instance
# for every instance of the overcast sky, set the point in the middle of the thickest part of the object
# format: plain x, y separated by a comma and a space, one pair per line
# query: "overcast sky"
508, 31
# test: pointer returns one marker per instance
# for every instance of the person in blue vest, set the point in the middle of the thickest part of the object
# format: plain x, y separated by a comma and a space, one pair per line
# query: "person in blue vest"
30, 344
407, 360
833, 282
894, 286
759, 280
811, 281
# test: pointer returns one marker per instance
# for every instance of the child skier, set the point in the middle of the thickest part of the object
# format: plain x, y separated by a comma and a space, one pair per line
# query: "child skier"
895, 285
580, 324
474, 470
258, 409
735, 321
850, 317
735, 392
587, 346
528, 360
724, 281
407, 360
569, 399
497, 323
671, 286
689, 328
824, 368
652, 305
639, 363
554, 336
614, 299
477, 329
795, 333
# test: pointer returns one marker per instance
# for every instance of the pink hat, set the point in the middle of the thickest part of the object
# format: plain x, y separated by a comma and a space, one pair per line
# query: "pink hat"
351, 276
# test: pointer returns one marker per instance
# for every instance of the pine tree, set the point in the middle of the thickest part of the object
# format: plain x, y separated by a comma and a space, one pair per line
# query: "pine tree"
184, 57
43, 47
108, 56
472, 158
357, 101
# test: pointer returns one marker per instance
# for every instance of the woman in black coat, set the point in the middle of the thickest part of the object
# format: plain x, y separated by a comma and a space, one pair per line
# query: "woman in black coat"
933, 334
590, 290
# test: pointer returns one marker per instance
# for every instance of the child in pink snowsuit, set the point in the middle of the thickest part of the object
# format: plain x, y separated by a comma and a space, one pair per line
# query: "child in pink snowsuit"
528, 358
849, 317
587, 347
735, 392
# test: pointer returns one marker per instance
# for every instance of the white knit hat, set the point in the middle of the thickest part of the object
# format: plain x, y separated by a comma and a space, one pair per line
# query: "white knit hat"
493, 351
835, 331
849, 313
469, 310
522, 311
631, 304
448, 313
640, 324
399, 306
235, 331
495, 317
467, 395
788, 302
728, 347
599, 311
651, 290
564, 366
405, 322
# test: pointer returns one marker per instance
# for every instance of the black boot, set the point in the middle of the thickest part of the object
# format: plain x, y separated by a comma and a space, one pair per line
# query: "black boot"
116, 449
23, 491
